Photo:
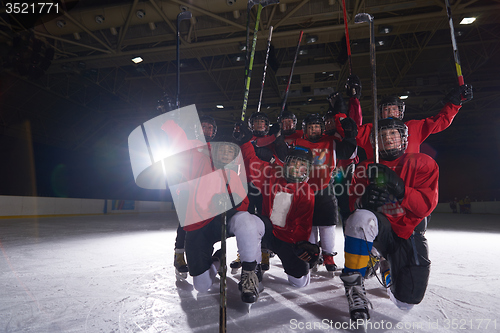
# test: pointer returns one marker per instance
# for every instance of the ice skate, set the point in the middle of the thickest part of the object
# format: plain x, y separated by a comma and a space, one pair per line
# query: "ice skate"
356, 296
250, 283
330, 265
181, 267
235, 265
318, 262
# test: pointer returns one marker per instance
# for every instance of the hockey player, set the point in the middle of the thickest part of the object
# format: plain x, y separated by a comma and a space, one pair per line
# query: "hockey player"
287, 208
390, 200
209, 130
326, 150
213, 175
418, 130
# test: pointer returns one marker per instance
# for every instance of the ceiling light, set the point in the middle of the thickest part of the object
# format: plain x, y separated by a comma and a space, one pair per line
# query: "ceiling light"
238, 58
302, 52
77, 36
113, 31
243, 47
380, 42
152, 26
60, 23
137, 60
99, 19
140, 13
403, 96
384, 29
219, 106
467, 20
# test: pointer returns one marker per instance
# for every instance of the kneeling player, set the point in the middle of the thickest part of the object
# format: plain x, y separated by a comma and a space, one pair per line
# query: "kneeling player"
287, 208
391, 200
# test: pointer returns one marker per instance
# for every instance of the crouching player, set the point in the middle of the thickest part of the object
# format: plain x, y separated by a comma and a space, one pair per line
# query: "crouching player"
391, 199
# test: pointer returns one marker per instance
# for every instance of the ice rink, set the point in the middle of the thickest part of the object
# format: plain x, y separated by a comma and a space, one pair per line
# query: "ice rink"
114, 273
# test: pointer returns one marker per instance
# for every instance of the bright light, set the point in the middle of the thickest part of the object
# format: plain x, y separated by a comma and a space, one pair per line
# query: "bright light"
403, 97
137, 60
467, 20
219, 106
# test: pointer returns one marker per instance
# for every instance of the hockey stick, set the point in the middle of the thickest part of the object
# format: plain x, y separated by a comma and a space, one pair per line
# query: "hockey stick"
361, 18
250, 5
265, 67
454, 44
287, 90
347, 38
223, 291
180, 17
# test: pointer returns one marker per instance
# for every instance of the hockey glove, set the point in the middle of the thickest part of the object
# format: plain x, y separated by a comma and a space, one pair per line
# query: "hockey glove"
350, 128
459, 95
264, 153
382, 175
242, 133
306, 251
281, 148
374, 197
337, 104
353, 86
275, 130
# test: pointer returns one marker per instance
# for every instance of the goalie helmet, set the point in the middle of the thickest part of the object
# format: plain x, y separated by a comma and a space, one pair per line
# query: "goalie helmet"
208, 131
391, 107
290, 126
393, 138
298, 164
260, 129
312, 119
224, 153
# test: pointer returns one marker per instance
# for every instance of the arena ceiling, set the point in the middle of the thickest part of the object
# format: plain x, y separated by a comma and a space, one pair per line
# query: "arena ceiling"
91, 94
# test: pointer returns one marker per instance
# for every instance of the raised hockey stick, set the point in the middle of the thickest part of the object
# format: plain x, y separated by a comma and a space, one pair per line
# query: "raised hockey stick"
180, 17
265, 67
287, 90
223, 291
250, 5
361, 18
348, 43
454, 44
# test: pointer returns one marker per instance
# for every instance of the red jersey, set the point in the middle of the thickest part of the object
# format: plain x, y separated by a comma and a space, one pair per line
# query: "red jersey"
418, 130
292, 137
420, 174
198, 182
289, 206
325, 154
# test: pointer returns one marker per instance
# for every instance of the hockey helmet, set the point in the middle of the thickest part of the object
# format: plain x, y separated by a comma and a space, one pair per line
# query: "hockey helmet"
393, 138
312, 119
259, 130
391, 106
298, 164
209, 127
287, 129
329, 119
225, 152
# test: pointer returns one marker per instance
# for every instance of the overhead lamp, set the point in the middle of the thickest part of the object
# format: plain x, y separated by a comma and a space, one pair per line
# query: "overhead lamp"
238, 58
137, 60
302, 52
384, 29
311, 39
220, 106
113, 31
467, 20
380, 42
140, 13
99, 19
77, 36
60, 23
403, 97
152, 26
243, 47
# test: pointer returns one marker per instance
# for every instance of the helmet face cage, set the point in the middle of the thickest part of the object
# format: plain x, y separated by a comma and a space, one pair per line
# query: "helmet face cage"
288, 115
297, 169
387, 103
259, 116
211, 121
224, 154
391, 153
310, 120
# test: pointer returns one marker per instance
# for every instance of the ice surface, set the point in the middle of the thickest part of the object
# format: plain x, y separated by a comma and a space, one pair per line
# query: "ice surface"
114, 274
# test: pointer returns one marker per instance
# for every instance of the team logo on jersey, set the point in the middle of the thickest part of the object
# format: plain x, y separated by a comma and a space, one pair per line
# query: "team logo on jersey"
393, 207
320, 158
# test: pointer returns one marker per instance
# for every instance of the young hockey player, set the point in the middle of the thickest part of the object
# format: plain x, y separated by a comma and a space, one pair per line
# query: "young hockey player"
215, 186
287, 208
288, 123
326, 150
391, 200
209, 130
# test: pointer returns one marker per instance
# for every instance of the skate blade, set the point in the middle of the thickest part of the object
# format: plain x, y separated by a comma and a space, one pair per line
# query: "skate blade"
181, 276
362, 327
